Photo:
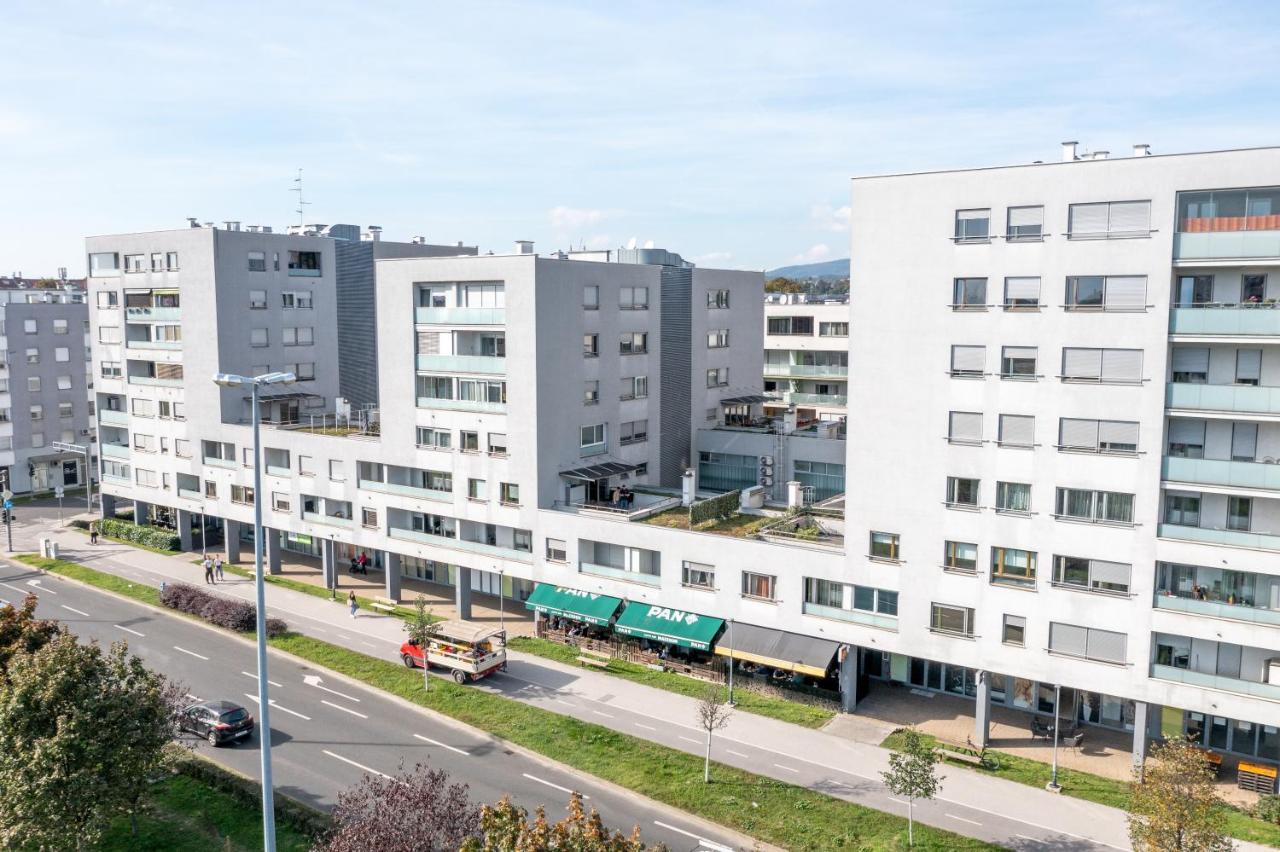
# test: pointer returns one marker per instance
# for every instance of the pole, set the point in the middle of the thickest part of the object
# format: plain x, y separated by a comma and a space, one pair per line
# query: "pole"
203, 535
264, 701
731, 665
1057, 699
502, 608
8, 526
59, 509
88, 483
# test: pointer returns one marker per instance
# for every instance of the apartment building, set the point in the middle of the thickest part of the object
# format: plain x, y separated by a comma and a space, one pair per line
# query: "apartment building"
1069, 406
806, 355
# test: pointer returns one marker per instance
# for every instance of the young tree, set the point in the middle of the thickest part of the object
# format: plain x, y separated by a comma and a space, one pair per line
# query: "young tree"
505, 827
1173, 807
421, 627
913, 773
81, 732
418, 811
21, 632
713, 715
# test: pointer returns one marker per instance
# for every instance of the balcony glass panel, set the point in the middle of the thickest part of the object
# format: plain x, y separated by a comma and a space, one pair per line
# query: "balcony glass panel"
1217, 609
115, 451
855, 615
190, 493
404, 490
1234, 538
1234, 321
485, 364
1238, 398
803, 370
618, 573
462, 405
153, 344
321, 518
1227, 244
461, 316
815, 398
1239, 474
111, 417
154, 382
1227, 684
152, 314
460, 544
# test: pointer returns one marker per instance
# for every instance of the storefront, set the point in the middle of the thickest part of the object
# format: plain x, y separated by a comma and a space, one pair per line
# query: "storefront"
669, 626
575, 605
776, 649
1233, 735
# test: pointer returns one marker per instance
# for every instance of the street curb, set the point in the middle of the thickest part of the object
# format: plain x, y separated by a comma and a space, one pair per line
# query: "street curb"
744, 841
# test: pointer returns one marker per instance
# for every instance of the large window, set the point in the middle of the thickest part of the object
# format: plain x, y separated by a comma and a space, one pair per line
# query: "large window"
964, 427
829, 593
1013, 498
833, 329
1021, 293
726, 471
1098, 436
482, 390
1013, 567
1095, 506
957, 620
633, 431
1102, 365
968, 361
1018, 362
718, 299
790, 326
633, 298
960, 556
758, 586
826, 478
1182, 509
592, 436
962, 492
1104, 646
304, 263
969, 294
884, 546
438, 439
435, 387
1106, 292
633, 343
1253, 209
1017, 430
1094, 575
1025, 225
1109, 220
1190, 365
973, 226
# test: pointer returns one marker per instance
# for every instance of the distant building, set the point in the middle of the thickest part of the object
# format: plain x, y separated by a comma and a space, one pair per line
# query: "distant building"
806, 355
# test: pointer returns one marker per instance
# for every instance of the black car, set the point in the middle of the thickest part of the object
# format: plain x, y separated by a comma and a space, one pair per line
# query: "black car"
217, 721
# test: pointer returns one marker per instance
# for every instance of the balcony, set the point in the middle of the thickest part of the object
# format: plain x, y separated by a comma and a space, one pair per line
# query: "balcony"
1269, 691
1228, 244
856, 616
111, 417
462, 405
1237, 474
801, 371
1231, 538
796, 398
405, 490
484, 364
642, 506
115, 451
190, 493
214, 461
154, 382
619, 574
460, 316
1236, 321
322, 518
124, 476
153, 344
460, 544
152, 314
1217, 609
1243, 399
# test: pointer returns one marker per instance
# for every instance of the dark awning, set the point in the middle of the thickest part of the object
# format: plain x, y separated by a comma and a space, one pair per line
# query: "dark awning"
747, 400
592, 608
599, 471
787, 651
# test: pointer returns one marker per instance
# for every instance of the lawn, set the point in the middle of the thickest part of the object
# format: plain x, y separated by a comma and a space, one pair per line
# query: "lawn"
737, 525
782, 709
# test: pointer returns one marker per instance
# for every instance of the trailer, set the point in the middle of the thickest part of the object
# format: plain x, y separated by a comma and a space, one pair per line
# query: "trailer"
470, 651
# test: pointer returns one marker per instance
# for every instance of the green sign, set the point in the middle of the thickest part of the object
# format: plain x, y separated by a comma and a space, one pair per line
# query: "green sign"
573, 604
672, 626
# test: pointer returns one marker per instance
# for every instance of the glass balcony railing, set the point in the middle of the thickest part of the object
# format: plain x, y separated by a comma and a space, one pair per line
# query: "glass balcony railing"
856, 616
462, 405
1217, 609
154, 382
1245, 399
460, 544
1240, 474
1263, 319
1226, 684
485, 364
111, 417
153, 344
123, 476
152, 314
619, 574
322, 518
805, 370
1233, 538
405, 490
115, 451
797, 398
213, 461
1227, 243
189, 493
461, 316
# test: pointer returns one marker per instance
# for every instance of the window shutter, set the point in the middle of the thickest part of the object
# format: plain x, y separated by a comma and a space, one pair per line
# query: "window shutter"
1191, 360
1079, 433
1020, 352
1130, 217
1186, 432
1244, 441
1106, 645
969, 358
966, 426
1122, 365
1249, 364
1117, 432
1017, 429
1022, 288
1068, 639
428, 343
1081, 363
1023, 216
965, 215
1117, 573
1088, 219
1126, 292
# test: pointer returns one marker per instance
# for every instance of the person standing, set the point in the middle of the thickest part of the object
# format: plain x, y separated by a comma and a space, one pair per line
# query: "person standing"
208, 570
93, 532
217, 568
351, 603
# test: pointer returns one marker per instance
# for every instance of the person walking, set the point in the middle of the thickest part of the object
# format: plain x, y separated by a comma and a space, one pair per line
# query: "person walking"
217, 568
208, 570
364, 563
93, 532
351, 603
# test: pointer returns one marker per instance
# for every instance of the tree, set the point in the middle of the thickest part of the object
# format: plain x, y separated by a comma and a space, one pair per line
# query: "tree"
82, 730
713, 715
783, 285
912, 773
421, 627
418, 811
1173, 807
506, 827
22, 633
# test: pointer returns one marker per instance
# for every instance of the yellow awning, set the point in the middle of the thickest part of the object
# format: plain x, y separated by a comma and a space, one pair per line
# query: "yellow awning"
791, 652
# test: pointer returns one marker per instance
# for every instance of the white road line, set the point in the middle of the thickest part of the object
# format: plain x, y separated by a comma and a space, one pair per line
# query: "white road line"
788, 768
962, 819
39, 587
344, 637
702, 840
899, 801
76, 611
314, 680
442, 745
854, 774
23, 592
606, 715
737, 753
356, 765
130, 630
275, 706
562, 701
646, 727
344, 709
1032, 839
691, 740
193, 697
549, 784
269, 680
368, 644
192, 653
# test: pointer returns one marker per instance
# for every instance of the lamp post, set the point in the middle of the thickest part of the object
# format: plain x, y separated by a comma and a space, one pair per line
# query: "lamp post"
502, 608
254, 383
1057, 700
731, 663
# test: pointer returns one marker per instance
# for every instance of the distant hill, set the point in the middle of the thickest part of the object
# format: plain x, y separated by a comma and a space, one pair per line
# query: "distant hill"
825, 269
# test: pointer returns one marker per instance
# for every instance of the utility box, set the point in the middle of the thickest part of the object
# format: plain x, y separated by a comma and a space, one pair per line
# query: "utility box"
752, 498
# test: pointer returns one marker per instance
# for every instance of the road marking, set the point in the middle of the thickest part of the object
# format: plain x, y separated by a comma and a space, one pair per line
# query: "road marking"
130, 630
562, 701
314, 680
343, 709
368, 644
193, 697
555, 786
22, 592
1032, 839
899, 801
344, 637
702, 840
276, 706
691, 740
788, 768
76, 611
192, 653
442, 745
962, 819
269, 680
606, 715
41, 588
646, 727
737, 753
357, 765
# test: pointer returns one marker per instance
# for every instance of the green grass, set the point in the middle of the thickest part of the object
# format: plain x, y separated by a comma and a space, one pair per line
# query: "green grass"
185, 815
320, 592
69, 498
110, 582
738, 526
161, 550
1095, 788
782, 709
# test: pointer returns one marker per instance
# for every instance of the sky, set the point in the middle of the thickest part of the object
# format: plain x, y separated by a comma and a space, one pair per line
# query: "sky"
725, 131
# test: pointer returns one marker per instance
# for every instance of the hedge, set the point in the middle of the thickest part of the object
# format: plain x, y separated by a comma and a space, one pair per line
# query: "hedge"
714, 508
240, 616
156, 537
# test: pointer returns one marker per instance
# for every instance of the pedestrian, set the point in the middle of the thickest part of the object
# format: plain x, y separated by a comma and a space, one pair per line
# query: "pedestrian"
364, 563
93, 532
354, 568
217, 568
351, 603
208, 570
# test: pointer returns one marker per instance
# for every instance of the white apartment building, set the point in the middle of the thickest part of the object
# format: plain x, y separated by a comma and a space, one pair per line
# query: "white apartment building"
806, 355
1065, 452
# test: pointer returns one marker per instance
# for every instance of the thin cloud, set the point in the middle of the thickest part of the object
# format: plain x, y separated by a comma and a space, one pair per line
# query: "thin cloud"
830, 218
574, 218
816, 253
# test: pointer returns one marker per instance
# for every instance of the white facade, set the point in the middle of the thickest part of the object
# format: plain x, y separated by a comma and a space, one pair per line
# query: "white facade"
806, 349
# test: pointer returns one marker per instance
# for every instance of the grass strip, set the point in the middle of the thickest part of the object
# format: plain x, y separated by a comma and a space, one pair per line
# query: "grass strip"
1095, 788
319, 591
101, 579
778, 813
795, 712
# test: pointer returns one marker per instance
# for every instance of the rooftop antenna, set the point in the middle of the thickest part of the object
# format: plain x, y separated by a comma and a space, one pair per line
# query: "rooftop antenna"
302, 205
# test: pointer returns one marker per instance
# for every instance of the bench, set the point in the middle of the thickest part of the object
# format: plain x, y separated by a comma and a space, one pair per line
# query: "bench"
1258, 777
965, 752
593, 658
386, 605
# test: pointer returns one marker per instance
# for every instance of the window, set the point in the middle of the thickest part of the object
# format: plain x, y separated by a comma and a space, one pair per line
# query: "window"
973, 226
108, 298
697, 575
37, 412
557, 551
171, 261
1102, 365
1248, 366
1103, 646
1182, 509
303, 371
968, 361
497, 444
336, 472
476, 489
157, 262
718, 299
296, 300
1021, 293
242, 494
884, 546
106, 334
368, 518
182, 448
1193, 291
718, 377
306, 466
590, 345
257, 300
825, 478
718, 338
1018, 363
964, 427
258, 337
59, 326
592, 436
33, 384
758, 586
482, 390
438, 439
104, 263
969, 294
302, 336
1107, 507
1011, 567
790, 326
211, 489
591, 391
509, 493
1098, 436
66, 410
1109, 220
304, 263
957, 620
142, 407
1013, 498
833, 329
144, 443
634, 343
522, 540
960, 556
636, 387
1109, 293
484, 296
468, 441
135, 263
1238, 511
591, 297
633, 432
110, 369
1014, 631
146, 478
37, 439
633, 298
1190, 365
33, 356
1017, 430
1244, 441
1025, 225
1093, 575
962, 492
1253, 289
434, 387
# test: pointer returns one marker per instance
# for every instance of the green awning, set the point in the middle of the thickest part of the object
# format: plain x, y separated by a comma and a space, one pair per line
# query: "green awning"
672, 626
571, 603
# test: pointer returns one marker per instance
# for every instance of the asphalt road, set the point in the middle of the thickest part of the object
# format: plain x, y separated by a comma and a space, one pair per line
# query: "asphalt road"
325, 736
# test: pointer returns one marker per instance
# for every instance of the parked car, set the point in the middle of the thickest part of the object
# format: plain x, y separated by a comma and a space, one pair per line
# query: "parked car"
217, 721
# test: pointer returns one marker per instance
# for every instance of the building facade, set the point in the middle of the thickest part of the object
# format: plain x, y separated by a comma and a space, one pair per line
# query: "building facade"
806, 355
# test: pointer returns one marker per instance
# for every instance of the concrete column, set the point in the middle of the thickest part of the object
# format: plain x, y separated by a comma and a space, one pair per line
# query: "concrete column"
462, 593
982, 711
328, 564
231, 540
184, 530
108, 505
273, 550
391, 575
1142, 730
849, 677
140, 511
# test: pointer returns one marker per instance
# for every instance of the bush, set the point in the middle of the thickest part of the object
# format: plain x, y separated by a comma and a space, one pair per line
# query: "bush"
155, 537
1268, 808
239, 616
714, 508
289, 810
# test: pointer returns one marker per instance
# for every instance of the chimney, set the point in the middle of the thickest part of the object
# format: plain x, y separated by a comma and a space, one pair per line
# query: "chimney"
524, 246
1142, 150
375, 232
193, 222
208, 224
231, 225
1100, 155
266, 229
459, 243
1069, 152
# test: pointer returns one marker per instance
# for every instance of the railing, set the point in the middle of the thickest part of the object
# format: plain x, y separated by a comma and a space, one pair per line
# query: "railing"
643, 506
323, 518
460, 544
887, 622
462, 405
619, 573
304, 273
1226, 684
213, 461
404, 490
1227, 244
111, 417
814, 398
461, 316
803, 370
115, 451
1217, 609
124, 477
153, 381
1239, 474
1233, 538
277, 470
189, 493
486, 364
152, 314
153, 344
1262, 319
1245, 399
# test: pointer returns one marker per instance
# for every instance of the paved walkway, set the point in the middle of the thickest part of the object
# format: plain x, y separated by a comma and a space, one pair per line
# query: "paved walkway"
671, 719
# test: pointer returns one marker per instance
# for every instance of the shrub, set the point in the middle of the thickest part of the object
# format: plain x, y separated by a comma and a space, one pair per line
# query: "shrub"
239, 616
1268, 808
156, 537
714, 508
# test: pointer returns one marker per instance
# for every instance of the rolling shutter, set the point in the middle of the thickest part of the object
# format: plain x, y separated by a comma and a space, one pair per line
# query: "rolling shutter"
1022, 289
428, 343
1021, 217
1249, 364
1081, 363
1126, 292
970, 359
966, 426
1068, 639
1106, 645
1191, 360
1020, 352
968, 215
1115, 573
1113, 432
1017, 429
1130, 217
1186, 432
1088, 219
1244, 441
1081, 434
1122, 365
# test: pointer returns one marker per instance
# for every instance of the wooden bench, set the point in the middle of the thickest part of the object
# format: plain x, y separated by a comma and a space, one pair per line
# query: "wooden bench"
593, 658
386, 605
965, 752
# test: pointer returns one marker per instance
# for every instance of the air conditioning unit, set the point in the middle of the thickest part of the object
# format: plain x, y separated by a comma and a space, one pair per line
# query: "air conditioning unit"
766, 469
766, 460
766, 480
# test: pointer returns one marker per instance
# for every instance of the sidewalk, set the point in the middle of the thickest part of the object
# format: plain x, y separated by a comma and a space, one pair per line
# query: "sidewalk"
548, 684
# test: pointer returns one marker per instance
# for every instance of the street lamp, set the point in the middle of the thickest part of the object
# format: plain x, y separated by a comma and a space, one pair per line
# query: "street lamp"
254, 383
1057, 714
732, 648
502, 608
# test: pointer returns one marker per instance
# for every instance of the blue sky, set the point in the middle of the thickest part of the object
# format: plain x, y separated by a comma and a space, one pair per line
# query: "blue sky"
725, 131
